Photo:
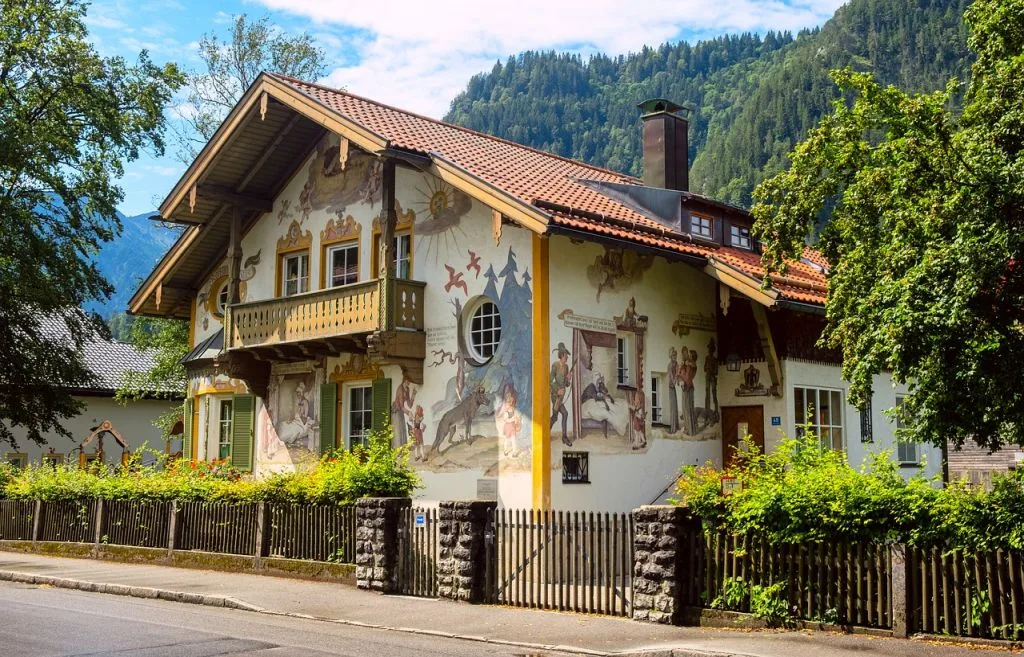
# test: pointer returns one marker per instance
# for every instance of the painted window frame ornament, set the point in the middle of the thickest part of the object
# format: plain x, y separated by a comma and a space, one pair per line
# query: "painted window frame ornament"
483, 308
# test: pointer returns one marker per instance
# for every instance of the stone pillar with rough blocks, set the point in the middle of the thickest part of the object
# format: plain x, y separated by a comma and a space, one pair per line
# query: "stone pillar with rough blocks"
659, 562
377, 542
900, 591
461, 565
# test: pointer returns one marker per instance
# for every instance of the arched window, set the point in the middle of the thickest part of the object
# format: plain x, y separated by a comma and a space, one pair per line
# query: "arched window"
484, 329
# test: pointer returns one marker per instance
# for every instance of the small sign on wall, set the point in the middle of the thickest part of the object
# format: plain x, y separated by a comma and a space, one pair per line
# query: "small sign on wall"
731, 485
487, 489
776, 420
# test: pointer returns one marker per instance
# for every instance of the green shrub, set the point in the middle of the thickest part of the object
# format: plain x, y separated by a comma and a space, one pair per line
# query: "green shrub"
802, 493
341, 477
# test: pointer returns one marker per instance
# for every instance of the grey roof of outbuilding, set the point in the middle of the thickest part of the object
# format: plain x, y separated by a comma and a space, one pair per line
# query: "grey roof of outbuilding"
109, 360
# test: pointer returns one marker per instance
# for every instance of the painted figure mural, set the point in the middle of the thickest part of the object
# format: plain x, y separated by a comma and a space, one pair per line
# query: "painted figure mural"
291, 423
559, 388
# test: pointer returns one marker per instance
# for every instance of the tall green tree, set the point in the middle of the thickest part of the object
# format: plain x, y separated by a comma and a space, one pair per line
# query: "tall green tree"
230, 65
924, 243
69, 119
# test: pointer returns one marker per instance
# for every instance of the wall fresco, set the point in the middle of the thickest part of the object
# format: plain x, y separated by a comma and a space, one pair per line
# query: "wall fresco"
290, 420
328, 187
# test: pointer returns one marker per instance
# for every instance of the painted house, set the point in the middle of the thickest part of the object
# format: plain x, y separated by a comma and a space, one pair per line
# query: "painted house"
109, 361
536, 329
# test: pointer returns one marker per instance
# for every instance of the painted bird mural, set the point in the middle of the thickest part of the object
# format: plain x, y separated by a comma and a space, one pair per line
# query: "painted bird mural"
474, 263
455, 280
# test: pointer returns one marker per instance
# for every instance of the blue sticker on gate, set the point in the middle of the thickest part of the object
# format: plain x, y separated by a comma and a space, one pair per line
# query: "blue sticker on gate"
421, 520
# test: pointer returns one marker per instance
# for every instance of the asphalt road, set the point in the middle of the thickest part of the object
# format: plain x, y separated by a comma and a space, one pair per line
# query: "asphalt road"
41, 621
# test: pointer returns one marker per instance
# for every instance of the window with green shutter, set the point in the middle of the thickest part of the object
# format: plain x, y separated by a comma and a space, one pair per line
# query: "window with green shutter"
243, 422
328, 417
381, 403
186, 423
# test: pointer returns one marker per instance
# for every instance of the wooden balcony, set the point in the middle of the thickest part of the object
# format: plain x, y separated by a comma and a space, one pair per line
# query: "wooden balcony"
351, 311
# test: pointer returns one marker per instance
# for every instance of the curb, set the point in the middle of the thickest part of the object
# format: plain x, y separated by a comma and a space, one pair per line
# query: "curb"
233, 603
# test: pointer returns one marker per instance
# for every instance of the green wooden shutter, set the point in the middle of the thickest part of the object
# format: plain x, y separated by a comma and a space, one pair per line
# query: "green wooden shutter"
381, 403
243, 409
186, 423
328, 417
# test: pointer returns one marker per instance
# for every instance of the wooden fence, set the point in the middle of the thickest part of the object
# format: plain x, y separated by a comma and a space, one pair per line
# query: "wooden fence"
417, 552
68, 521
224, 528
568, 561
980, 594
838, 582
16, 520
136, 523
318, 533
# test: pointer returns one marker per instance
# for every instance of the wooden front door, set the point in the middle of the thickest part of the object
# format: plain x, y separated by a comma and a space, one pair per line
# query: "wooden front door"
738, 421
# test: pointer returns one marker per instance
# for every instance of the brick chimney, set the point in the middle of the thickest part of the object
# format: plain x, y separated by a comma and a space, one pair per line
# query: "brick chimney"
666, 145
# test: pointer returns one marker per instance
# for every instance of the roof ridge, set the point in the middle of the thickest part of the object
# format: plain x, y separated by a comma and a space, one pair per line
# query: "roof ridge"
454, 126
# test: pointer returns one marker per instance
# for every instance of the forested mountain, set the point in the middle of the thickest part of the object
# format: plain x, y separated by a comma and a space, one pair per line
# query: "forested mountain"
752, 97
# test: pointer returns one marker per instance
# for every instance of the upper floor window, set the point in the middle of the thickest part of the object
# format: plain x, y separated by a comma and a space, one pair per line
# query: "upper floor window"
624, 360
739, 236
822, 411
343, 264
222, 300
484, 330
702, 226
403, 254
295, 273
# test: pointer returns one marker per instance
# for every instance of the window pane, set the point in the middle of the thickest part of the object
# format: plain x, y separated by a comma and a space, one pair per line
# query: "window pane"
800, 406
837, 408
837, 439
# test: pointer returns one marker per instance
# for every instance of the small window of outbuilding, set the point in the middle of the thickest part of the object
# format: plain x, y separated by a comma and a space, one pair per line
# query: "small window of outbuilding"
702, 226
575, 467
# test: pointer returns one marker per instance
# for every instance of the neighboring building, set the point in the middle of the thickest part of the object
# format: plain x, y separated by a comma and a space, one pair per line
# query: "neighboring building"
108, 360
528, 323
977, 464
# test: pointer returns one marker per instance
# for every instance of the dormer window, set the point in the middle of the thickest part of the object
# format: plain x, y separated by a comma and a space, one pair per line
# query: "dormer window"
739, 236
702, 226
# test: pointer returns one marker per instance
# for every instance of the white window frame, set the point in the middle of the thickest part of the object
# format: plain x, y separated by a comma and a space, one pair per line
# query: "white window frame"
403, 257
350, 246
17, 459
657, 393
220, 424
835, 420
697, 226
301, 280
222, 301
625, 355
490, 336
907, 453
739, 236
365, 389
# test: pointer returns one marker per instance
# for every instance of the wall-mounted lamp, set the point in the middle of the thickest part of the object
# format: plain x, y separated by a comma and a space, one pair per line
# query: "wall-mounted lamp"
732, 362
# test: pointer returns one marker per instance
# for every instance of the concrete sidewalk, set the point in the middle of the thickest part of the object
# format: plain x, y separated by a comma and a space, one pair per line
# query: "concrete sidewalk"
536, 630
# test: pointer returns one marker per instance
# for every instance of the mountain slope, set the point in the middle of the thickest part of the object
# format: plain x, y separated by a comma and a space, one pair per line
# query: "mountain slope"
753, 98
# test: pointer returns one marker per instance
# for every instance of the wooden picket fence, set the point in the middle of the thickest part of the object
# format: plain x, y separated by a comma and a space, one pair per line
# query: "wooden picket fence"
317, 533
569, 561
980, 594
839, 582
223, 528
418, 548
72, 521
136, 523
16, 519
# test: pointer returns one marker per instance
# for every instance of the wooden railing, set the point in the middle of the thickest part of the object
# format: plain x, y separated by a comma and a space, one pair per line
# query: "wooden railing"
345, 310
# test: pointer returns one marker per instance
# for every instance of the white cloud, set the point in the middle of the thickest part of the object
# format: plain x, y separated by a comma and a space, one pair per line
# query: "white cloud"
420, 55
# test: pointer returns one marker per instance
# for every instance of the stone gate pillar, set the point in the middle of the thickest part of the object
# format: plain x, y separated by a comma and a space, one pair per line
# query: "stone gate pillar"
462, 565
377, 542
661, 562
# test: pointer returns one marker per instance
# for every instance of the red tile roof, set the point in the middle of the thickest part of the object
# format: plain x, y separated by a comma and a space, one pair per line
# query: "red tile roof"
542, 179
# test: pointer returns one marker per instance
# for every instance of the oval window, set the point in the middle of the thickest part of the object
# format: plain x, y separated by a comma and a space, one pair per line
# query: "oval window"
222, 301
484, 330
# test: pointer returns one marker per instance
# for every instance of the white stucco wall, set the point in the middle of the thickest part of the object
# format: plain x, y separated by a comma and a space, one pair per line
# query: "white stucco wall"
134, 421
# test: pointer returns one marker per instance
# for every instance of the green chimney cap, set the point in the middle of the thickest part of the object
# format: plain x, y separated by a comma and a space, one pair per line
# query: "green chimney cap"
656, 105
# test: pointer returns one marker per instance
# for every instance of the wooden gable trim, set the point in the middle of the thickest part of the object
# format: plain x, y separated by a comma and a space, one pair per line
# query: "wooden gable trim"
244, 112
147, 289
741, 282
498, 199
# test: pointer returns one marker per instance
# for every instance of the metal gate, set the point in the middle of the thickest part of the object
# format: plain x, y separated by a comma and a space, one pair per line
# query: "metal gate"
417, 552
568, 561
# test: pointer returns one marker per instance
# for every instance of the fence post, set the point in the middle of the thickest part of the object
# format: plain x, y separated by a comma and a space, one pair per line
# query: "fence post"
660, 563
100, 525
461, 565
172, 529
37, 522
262, 534
901, 590
378, 521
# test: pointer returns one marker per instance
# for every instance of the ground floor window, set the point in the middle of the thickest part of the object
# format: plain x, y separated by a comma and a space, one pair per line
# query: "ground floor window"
907, 453
358, 414
656, 394
17, 459
624, 360
821, 410
575, 467
225, 416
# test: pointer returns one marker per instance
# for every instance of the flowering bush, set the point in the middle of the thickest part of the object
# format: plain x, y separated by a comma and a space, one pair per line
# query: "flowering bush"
338, 478
801, 492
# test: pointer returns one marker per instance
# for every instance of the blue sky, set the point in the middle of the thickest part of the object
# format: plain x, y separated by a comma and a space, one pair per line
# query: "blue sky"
418, 55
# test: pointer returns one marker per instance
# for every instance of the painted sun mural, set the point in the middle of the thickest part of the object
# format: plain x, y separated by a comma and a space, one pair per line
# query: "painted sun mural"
439, 209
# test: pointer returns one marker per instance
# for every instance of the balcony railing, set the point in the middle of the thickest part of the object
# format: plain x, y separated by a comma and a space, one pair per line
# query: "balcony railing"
340, 311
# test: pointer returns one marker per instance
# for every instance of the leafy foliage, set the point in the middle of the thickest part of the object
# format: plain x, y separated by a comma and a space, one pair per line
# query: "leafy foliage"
69, 119
753, 98
167, 341
803, 493
230, 66
339, 478
924, 243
